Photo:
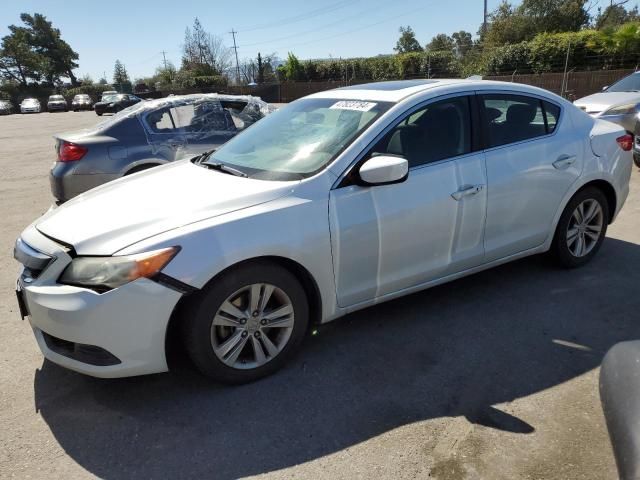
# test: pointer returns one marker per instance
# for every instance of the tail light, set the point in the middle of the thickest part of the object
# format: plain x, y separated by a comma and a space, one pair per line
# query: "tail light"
625, 142
70, 152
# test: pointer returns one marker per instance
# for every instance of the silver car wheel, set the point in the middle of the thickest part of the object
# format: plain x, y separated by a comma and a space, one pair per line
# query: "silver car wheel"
585, 227
252, 326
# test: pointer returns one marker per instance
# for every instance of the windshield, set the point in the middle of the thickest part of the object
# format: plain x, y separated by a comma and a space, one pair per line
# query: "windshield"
109, 98
627, 84
81, 97
56, 97
300, 139
29, 100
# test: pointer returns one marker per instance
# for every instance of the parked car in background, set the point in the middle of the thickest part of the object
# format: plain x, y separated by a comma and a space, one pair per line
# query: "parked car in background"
107, 93
30, 105
338, 201
82, 101
6, 108
619, 103
115, 103
146, 135
57, 103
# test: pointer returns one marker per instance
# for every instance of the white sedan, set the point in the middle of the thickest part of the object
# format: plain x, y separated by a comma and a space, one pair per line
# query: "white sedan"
30, 105
340, 200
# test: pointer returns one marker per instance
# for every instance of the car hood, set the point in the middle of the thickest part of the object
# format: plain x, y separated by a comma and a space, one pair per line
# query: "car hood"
118, 214
598, 102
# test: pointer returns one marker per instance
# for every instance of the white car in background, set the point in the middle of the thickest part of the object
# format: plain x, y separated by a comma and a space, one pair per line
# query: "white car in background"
338, 201
30, 105
619, 103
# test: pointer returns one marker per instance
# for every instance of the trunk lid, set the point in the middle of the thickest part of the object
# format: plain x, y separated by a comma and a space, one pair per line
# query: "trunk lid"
603, 137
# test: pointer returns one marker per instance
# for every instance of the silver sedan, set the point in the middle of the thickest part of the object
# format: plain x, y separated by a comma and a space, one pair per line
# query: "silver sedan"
340, 200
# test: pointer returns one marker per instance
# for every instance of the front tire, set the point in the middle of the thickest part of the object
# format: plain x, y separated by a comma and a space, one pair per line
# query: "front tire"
247, 323
581, 229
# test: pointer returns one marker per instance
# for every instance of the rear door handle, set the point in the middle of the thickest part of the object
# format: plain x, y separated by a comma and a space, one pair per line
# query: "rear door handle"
466, 190
564, 161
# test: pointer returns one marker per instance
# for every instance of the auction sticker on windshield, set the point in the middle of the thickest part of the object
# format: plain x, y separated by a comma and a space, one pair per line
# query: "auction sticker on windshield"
353, 105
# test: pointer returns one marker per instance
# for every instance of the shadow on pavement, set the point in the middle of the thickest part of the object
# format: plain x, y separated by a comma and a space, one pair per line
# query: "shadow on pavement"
453, 350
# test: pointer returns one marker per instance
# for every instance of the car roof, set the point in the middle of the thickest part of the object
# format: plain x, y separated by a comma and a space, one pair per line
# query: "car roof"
397, 90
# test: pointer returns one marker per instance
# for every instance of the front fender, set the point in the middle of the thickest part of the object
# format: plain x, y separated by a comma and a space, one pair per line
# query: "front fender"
291, 227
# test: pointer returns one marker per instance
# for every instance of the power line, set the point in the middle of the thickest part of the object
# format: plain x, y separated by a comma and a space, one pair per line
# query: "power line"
357, 29
323, 27
303, 16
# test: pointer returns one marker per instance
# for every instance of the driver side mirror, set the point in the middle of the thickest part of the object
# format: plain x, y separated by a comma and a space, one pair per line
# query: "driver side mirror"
384, 170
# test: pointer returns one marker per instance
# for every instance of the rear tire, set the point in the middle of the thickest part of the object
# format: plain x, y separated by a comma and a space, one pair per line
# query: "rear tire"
581, 228
226, 328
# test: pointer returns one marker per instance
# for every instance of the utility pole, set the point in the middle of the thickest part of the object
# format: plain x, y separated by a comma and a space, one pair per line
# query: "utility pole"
235, 49
164, 57
564, 86
484, 22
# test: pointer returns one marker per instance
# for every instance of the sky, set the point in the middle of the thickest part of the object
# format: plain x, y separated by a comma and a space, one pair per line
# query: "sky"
137, 32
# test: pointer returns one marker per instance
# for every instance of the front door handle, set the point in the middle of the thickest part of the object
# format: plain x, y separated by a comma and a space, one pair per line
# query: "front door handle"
466, 190
564, 161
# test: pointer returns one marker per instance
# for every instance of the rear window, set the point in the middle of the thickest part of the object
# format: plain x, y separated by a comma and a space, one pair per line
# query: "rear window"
514, 118
553, 113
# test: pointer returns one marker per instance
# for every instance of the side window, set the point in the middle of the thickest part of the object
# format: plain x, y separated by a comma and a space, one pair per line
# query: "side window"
552, 113
438, 131
160, 121
512, 118
203, 118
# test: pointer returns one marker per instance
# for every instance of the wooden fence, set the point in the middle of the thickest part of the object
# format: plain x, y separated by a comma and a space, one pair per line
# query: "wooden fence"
577, 85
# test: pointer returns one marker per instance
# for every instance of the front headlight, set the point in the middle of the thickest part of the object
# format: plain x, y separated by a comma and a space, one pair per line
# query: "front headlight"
628, 108
105, 273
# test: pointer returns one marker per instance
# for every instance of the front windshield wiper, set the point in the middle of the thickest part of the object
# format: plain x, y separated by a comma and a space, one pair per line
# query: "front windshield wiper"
224, 168
198, 159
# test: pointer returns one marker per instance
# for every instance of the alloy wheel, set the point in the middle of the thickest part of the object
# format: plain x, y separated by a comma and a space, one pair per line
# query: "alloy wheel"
585, 227
252, 326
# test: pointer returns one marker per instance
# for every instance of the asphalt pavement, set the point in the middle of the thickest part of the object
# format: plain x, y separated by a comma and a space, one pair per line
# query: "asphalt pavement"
494, 376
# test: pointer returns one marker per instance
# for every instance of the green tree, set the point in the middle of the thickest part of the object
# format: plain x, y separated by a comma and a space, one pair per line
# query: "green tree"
556, 15
441, 43
407, 41
165, 74
36, 51
507, 26
292, 69
18, 61
511, 24
203, 53
614, 15
103, 81
463, 43
120, 77
57, 57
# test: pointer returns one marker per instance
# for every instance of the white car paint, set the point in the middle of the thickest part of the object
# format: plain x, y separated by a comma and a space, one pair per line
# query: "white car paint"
359, 245
599, 102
